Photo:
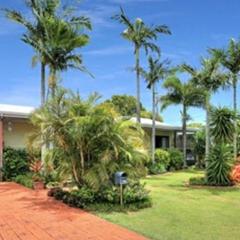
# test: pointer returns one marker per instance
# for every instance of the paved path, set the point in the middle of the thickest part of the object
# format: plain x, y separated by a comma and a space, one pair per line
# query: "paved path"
30, 215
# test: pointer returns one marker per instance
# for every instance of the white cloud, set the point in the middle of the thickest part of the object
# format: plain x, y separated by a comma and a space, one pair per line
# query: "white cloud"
113, 50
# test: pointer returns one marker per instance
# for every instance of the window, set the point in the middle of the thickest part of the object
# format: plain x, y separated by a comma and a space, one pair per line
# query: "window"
162, 141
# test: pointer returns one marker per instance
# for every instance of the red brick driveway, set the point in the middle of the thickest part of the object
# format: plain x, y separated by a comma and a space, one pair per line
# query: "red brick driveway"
31, 215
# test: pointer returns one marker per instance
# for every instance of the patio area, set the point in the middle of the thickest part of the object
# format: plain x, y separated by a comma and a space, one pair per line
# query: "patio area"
31, 215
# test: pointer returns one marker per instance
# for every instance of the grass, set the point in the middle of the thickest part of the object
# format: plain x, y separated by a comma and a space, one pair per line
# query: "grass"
181, 212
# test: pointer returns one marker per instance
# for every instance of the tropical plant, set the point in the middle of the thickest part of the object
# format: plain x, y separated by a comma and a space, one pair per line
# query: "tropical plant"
141, 36
211, 79
90, 141
185, 94
176, 159
157, 71
148, 114
16, 163
230, 59
37, 35
125, 104
199, 147
220, 164
222, 124
235, 174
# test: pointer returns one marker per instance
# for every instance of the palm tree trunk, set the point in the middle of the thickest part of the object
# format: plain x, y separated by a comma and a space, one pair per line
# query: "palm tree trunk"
184, 132
207, 129
43, 90
235, 111
43, 97
138, 84
153, 123
52, 82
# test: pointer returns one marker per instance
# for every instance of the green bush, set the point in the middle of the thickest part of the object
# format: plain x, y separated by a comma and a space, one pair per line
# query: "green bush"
162, 156
176, 159
15, 162
156, 168
199, 181
133, 192
25, 180
134, 195
219, 165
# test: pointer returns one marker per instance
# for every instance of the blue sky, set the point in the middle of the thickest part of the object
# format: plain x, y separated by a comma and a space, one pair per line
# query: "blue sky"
196, 25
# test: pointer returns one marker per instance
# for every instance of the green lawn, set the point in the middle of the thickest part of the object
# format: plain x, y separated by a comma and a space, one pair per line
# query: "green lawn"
181, 212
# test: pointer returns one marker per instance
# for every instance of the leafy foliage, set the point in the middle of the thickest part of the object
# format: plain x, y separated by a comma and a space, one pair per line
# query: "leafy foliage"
147, 114
199, 147
185, 94
125, 105
15, 162
139, 33
134, 193
90, 141
25, 180
176, 159
54, 33
235, 174
222, 124
219, 165
162, 156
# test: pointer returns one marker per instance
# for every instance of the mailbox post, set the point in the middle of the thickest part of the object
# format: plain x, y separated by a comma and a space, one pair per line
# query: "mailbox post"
120, 180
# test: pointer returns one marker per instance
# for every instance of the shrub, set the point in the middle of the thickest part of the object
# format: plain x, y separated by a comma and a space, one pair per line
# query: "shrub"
15, 163
25, 180
235, 175
134, 195
156, 168
176, 159
199, 181
162, 157
133, 192
82, 197
219, 165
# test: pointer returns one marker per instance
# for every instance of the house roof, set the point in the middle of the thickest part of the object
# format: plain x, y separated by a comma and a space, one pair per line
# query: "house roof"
15, 111
147, 123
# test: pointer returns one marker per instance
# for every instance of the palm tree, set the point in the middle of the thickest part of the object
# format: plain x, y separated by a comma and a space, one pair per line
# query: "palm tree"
141, 36
42, 10
91, 142
211, 79
61, 40
230, 59
36, 27
185, 94
157, 71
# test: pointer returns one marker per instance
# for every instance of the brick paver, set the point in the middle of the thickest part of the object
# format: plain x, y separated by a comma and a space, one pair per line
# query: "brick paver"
31, 215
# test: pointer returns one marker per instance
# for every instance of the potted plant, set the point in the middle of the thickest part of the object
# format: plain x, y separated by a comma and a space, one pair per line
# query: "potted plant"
38, 182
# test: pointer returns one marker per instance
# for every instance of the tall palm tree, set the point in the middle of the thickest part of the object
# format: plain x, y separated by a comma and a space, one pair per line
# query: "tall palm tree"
211, 79
142, 36
157, 71
230, 59
185, 94
58, 50
42, 10
36, 27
